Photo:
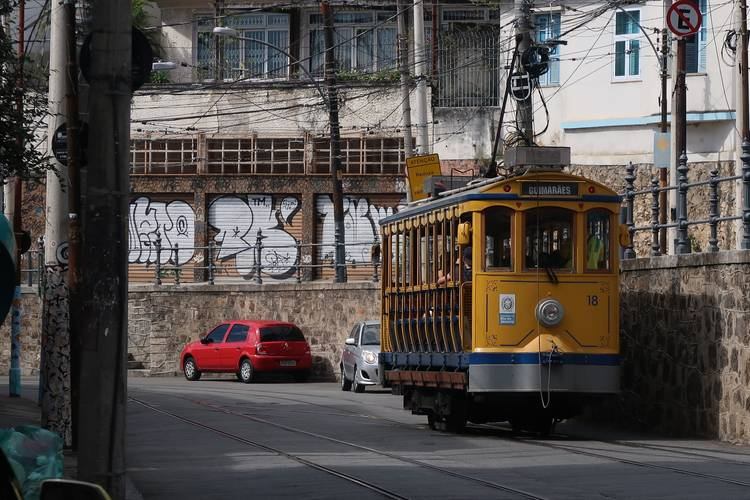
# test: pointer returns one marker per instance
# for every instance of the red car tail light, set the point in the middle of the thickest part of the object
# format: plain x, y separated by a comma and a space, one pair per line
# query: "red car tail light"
307, 347
260, 349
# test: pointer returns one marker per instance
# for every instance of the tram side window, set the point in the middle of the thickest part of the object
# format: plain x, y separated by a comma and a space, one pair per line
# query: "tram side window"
597, 241
395, 268
549, 238
497, 222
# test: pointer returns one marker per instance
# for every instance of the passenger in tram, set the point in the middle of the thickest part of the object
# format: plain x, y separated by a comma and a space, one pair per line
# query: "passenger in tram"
463, 263
562, 258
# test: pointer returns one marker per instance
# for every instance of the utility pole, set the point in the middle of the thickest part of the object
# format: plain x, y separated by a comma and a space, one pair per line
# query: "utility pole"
523, 39
104, 287
743, 71
14, 382
663, 179
680, 102
742, 111
56, 410
74, 203
403, 67
333, 116
423, 143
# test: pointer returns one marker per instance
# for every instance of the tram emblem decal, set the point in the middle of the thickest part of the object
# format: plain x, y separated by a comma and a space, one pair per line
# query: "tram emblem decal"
507, 308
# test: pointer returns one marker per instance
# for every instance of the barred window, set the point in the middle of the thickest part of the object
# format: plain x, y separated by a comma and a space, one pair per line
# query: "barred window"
244, 58
362, 155
163, 156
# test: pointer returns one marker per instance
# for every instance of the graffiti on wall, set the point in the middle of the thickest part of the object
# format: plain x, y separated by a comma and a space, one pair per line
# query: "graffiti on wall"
361, 227
174, 221
242, 220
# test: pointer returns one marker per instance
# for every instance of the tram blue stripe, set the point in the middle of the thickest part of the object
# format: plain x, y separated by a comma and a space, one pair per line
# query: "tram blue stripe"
527, 358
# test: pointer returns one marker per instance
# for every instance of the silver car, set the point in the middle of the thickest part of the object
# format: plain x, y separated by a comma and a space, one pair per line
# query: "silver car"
359, 360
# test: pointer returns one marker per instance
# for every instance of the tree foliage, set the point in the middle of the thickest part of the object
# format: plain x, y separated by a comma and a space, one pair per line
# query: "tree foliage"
19, 141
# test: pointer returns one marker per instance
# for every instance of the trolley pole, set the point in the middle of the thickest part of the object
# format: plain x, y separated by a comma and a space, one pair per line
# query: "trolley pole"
333, 114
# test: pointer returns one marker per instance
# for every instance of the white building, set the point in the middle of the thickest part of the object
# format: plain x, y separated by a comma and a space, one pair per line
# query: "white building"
602, 89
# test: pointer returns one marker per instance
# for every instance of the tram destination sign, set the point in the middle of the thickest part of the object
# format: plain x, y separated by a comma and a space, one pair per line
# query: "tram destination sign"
549, 189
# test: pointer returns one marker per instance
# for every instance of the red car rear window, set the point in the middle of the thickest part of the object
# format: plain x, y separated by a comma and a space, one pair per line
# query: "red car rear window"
280, 333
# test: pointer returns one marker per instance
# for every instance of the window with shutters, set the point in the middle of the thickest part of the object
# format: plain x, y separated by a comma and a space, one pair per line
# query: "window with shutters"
695, 46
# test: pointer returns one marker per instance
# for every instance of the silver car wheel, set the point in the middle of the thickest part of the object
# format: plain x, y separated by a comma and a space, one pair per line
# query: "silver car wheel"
246, 371
189, 369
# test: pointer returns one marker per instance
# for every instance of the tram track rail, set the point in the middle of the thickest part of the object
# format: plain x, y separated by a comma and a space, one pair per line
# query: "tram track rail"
387, 493
296, 458
289, 396
637, 463
505, 435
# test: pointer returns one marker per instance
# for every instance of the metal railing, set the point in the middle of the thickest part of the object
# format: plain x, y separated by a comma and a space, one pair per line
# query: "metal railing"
32, 267
469, 68
682, 219
167, 263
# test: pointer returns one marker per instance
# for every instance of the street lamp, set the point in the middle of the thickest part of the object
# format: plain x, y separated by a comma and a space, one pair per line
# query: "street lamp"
163, 66
233, 33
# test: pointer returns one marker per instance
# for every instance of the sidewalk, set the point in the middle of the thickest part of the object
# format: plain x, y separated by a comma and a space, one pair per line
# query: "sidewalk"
23, 411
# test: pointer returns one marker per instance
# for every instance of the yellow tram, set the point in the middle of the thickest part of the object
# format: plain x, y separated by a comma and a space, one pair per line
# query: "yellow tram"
500, 301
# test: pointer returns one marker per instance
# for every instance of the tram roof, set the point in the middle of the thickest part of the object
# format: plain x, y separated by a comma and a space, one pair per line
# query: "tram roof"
486, 192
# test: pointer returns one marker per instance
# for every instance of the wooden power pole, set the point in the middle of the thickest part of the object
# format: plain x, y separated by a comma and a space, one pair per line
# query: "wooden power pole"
104, 284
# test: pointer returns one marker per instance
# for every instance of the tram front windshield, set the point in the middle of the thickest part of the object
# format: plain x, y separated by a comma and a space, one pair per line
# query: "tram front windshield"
549, 239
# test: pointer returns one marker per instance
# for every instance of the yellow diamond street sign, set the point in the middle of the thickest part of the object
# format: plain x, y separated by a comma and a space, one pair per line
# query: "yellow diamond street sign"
419, 168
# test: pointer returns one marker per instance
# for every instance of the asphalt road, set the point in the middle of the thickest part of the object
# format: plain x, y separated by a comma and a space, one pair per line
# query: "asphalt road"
223, 439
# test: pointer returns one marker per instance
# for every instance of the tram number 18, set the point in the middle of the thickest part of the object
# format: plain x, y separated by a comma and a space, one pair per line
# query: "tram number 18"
592, 300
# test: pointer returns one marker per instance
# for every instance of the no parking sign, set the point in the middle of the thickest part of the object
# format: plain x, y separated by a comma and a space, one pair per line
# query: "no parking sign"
684, 18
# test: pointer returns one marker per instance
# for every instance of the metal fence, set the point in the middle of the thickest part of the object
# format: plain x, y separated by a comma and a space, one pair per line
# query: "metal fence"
32, 267
682, 217
167, 267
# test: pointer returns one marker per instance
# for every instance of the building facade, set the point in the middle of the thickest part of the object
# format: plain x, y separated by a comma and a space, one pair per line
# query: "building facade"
230, 152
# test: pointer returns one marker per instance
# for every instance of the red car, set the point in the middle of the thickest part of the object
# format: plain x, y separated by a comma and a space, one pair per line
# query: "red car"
247, 348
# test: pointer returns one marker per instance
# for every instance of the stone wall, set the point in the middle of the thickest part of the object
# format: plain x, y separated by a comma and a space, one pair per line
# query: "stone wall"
163, 319
686, 344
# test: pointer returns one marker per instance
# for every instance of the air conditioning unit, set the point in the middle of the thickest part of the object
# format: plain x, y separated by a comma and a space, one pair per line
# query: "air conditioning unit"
537, 157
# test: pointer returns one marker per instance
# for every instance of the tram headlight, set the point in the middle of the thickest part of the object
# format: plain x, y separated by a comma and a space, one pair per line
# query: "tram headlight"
549, 312
370, 357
